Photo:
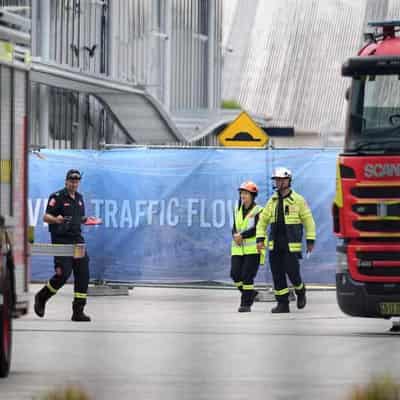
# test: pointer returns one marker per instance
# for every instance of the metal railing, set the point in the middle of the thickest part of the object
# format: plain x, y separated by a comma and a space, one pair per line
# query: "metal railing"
22, 7
78, 121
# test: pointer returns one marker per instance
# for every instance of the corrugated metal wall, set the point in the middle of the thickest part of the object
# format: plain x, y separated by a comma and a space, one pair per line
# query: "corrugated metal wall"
217, 56
79, 31
189, 51
163, 45
293, 58
137, 41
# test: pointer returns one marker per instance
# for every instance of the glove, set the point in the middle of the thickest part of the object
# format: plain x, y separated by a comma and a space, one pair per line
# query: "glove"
93, 221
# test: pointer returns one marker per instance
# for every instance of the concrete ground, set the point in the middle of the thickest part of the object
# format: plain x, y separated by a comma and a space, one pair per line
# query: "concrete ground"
163, 343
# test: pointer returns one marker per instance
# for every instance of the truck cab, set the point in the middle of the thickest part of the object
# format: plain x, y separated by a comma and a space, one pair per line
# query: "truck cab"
366, 209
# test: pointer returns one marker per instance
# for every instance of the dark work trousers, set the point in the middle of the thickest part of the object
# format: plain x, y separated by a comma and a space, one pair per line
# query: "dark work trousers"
64, 266
285, 263
243, 272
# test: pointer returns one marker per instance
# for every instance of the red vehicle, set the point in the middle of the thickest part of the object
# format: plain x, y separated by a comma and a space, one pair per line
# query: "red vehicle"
366, 209
14, 248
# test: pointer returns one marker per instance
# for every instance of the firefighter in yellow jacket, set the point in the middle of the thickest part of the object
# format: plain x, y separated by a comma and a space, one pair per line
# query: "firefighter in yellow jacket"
245, 258
286, 212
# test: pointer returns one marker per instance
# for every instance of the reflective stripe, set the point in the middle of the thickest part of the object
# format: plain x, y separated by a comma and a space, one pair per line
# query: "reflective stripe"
339, 191
5, 171
78, 295
249, 242
299, 287
256, 210
251, 223
281, 292
245, 243
238, 284
52, 290
293, 247
248, 287
262, 257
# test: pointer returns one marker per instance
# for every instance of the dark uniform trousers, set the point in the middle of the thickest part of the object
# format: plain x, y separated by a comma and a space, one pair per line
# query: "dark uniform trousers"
282, 263
243, 272
64, 267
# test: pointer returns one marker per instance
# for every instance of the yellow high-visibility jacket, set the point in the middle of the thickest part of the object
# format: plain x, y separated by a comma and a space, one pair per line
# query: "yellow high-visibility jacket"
243, 224
298, 215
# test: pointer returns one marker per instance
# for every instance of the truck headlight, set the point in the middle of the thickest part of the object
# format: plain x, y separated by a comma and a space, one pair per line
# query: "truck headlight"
341, 262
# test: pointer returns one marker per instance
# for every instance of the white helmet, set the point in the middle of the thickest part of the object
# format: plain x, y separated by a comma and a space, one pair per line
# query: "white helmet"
281, 172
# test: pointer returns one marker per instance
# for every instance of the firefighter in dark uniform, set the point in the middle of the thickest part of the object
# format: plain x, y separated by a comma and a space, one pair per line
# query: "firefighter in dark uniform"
287, 212
245, 258
65, 213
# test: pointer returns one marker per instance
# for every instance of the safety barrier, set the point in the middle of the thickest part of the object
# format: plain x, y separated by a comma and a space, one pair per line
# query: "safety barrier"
167, 213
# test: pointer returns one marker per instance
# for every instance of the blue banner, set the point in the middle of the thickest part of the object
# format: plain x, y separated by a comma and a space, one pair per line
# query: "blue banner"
168, 213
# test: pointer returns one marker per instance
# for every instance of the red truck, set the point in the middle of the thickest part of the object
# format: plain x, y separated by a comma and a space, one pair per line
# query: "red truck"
14, 247
366, 209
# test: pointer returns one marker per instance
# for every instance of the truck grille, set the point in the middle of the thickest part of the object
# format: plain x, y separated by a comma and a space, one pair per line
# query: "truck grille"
376, 192
389, 210
392, 271
387, 226
378, 255
372, 263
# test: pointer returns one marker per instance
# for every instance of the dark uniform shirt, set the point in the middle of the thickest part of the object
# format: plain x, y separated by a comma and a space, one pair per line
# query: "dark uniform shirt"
280, 228
281, 239
73, 211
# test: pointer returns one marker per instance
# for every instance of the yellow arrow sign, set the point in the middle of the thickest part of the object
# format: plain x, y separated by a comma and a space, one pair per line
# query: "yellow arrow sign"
243, 132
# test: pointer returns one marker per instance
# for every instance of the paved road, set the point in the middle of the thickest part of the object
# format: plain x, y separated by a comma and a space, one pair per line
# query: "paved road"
192, 344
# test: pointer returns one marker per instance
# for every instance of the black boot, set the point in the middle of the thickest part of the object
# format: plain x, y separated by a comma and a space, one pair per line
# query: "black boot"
241, 298
281, 307
301, 298
78, 315
245, 304
395, 328
254, 295
41, 298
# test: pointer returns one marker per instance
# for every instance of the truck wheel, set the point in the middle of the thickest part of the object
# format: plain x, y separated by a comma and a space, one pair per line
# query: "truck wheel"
5, 324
